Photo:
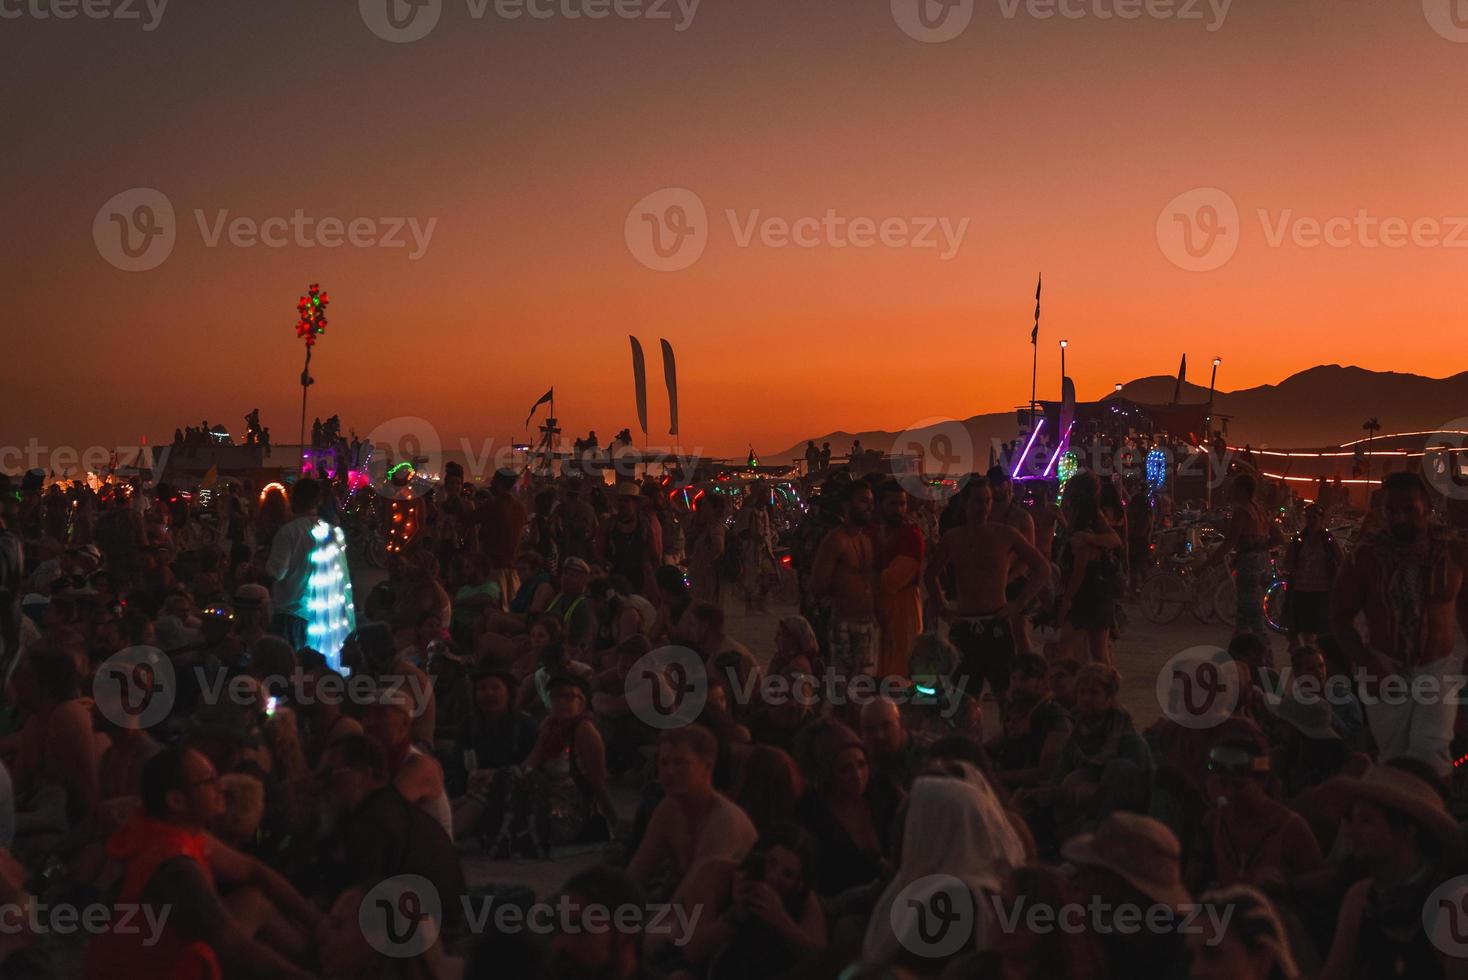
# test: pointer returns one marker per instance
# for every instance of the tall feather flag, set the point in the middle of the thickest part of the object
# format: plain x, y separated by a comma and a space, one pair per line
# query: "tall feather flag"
1182, 379
639, 380
1035, 333
549, 396
670, 375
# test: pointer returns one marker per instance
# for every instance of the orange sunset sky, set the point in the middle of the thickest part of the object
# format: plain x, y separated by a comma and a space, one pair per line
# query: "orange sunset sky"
1059, 140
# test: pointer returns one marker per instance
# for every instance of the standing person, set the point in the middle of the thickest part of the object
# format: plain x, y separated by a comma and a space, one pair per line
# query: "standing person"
502, 520
546, 533
1005, 510
578, 522
982, 555
825, 455
290, 564
845, 573
812, 458
1091, 572
1409, 583
1313, 558
1249, 536
628, 542
1139, 539
899, 549
756, 538
706, 548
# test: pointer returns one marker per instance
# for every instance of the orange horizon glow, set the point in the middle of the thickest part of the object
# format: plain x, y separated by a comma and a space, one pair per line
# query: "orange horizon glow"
1059, 142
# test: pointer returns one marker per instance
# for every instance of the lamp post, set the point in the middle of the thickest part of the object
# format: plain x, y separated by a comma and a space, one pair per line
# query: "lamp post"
1208, 434
1063, 345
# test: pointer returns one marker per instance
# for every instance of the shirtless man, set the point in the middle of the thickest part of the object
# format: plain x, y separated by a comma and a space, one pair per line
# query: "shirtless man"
844, 572
694, 822
1006, 510
1409, 583
983, 555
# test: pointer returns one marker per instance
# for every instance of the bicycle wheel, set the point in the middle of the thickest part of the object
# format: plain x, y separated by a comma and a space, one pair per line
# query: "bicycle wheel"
1201, 602
1226, 602
1163, 598
1274, 606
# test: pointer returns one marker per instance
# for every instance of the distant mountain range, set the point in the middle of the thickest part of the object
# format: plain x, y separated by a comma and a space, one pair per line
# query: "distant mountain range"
1322, 406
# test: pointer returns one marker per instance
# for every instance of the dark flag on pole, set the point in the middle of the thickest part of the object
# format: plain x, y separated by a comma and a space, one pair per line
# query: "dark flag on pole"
1182, 379
549, 396
670, 375
1035, 333
639, 381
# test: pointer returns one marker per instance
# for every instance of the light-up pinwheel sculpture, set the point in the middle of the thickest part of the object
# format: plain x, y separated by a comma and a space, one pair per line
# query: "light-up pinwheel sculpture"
310, 324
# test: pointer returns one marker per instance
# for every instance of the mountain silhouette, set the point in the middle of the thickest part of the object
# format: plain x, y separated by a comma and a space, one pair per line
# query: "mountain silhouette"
1319, 407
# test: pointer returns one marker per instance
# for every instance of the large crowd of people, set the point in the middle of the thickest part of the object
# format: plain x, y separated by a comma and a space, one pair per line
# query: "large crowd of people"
924, 768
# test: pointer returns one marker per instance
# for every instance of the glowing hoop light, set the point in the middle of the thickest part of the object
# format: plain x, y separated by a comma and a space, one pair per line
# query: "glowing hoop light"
265, 492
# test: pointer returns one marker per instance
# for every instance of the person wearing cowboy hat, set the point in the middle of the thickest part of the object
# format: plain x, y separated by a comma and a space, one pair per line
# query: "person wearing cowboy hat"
629, 543
1399, 828
1132, 862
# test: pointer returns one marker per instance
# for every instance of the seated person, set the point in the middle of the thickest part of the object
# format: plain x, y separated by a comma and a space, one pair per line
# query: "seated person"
694, 822
170, 861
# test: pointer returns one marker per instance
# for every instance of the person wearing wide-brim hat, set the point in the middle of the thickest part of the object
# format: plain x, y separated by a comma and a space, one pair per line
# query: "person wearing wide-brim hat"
1398, 827
1132, 861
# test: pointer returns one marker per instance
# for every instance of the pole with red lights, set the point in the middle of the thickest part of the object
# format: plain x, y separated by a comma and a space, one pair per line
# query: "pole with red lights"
311, 323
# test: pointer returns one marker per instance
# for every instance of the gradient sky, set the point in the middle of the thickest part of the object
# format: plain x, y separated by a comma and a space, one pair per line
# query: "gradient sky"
1061, 141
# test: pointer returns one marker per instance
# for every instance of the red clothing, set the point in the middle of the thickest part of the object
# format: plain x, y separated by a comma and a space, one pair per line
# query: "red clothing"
502, 520
144, 844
